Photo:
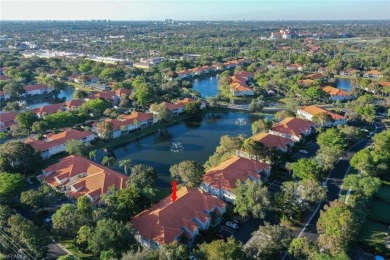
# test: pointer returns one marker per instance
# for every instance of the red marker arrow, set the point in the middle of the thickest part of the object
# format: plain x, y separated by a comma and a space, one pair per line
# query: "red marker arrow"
174, 191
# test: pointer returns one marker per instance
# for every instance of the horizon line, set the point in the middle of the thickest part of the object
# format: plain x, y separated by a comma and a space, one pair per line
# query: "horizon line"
177, 20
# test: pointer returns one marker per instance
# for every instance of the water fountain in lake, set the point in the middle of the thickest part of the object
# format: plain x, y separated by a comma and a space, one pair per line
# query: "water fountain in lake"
240, 121
177, 147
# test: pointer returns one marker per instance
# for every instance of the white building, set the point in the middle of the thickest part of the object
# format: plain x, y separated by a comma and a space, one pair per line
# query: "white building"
309, 112
56, 143
221, 179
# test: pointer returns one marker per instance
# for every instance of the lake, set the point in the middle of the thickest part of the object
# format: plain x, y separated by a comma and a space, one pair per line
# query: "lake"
207, 87
199, 138
345, 84
66, 93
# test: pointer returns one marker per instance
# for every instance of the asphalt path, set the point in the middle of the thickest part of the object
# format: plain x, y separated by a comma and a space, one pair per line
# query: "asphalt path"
334, 184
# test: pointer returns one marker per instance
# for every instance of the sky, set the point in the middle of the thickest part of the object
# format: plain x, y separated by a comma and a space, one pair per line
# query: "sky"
195, 10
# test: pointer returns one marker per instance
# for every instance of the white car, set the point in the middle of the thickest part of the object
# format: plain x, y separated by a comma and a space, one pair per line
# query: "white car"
232, 225
303, 151
48, 219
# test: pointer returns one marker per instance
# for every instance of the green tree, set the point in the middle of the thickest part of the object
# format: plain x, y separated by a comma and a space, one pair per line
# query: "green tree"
282, 114
39, 126
162, 112
113, 235
11, 184
306, 168
261, 125
189, 172
365, 186
218, 249
95, 106
67, 221
5, 213
145, 253
126, 164
302, 248
142, 93
26, 119
33, 198
14, 89
296, 197
92, 154
84, 206
337, 227
77, 147
12, 107
104, 129
332, 137
25, 232
271, 242
79, 94
192, 108
18, 132
143, 175
173, 251
365, 161
252, 198
108, 160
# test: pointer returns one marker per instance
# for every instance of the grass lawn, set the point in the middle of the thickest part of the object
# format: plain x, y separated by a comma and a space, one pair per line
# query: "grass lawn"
384, 192
380, 211
373, 236
67, 243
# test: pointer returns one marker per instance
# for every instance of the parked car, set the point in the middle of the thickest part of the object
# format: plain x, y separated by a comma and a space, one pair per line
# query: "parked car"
303, 151
232, 225
237, 221
49, 219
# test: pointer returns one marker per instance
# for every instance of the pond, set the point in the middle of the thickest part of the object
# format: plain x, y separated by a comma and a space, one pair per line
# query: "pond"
207, 86
345, 84
199, 137
66, 93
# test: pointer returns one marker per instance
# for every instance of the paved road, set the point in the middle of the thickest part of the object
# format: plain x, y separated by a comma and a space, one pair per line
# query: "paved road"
335, 181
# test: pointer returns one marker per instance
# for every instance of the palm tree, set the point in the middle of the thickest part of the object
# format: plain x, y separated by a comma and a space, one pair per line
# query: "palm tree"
108, 161
126, 164
92, 154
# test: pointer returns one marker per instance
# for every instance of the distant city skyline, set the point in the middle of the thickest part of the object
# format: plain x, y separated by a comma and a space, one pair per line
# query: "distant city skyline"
195, 10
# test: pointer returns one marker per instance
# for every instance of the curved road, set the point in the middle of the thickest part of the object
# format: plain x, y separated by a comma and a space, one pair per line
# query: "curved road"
334, 183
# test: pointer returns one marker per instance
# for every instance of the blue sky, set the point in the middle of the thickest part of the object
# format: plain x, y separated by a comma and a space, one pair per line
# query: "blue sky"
194, 10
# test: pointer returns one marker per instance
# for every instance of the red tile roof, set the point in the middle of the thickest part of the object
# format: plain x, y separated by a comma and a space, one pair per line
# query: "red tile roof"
8, 116
49, 109
293, 126
225, 175
384, 83
239, 87
73, 166
335, 91
315, 110
7, 119
35, 87
53, 140
164, 221
270, 140
374, 72
125, 120
74, 103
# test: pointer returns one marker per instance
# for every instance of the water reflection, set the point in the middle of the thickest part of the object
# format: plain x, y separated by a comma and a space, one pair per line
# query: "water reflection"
199, 142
